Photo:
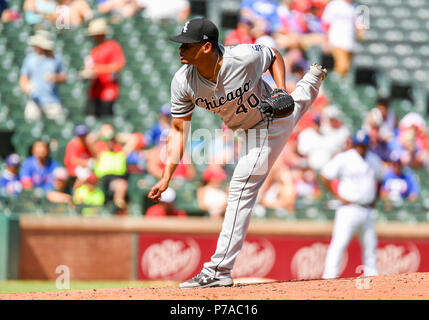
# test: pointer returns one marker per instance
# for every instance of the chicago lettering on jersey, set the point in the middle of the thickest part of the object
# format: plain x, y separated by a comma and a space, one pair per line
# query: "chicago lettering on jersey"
230, 96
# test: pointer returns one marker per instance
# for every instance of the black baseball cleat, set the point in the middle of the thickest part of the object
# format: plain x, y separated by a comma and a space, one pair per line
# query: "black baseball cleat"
202, 280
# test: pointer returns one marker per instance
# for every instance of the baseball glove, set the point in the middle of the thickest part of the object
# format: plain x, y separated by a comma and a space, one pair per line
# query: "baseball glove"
277, 104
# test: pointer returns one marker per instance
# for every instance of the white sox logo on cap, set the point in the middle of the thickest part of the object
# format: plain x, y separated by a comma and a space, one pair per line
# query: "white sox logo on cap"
185, 27
197, 30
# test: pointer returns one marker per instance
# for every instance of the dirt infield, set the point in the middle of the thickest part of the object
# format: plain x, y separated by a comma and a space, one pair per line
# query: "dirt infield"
414, 286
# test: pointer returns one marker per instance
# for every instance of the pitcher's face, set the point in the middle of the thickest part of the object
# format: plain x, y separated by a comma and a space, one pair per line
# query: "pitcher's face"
192, 53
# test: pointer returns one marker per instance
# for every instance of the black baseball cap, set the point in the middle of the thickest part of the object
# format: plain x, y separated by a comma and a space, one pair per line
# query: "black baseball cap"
196, 30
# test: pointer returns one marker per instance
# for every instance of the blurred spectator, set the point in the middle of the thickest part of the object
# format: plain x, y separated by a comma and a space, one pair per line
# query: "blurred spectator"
111, 168
290, 156
223, 149
384, 115
165, 207
411, 140
241, 34
378, 138
336, 133
312, 143
262, 14
340, 19
321, 136
61, 191
155, 165
7, 15
36, 11
88, 197
10, 184
278, 191
174, 10
156, 161
119, 8
132, 145
295, 65
299, 26
153, 135
102, 66
73, 13
212, 196
313, 20
79, 152
306, 185
399, 183
41, 72
37, 171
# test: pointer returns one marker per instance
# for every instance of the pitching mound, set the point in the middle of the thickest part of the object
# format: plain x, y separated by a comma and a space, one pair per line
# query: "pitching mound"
413, 286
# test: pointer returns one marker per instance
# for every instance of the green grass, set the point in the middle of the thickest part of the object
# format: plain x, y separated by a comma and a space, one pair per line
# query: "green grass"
21, 286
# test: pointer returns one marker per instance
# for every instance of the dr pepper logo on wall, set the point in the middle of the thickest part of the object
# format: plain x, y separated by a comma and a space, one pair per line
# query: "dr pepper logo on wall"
171, 259
256, 259
392, 259
309, 262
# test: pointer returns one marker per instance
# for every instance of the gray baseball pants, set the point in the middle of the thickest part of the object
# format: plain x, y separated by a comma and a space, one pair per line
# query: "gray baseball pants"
250, 173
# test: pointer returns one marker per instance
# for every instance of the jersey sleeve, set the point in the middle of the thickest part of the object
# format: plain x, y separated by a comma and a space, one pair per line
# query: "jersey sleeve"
181, 101
331, 170
264, 57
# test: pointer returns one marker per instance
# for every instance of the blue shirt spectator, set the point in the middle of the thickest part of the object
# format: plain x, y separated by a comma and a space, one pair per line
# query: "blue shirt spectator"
37, 68
263, 10
154, 134
37, 171
10, 184
399, 183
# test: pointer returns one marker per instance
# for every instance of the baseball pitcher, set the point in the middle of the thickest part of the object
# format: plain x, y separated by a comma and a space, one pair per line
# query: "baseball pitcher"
228, 81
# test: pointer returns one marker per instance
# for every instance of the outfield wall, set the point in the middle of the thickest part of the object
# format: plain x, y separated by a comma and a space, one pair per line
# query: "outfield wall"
130, 248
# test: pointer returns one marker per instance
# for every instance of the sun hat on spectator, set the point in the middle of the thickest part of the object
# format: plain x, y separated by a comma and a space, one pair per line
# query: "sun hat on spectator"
97, 27
42, 41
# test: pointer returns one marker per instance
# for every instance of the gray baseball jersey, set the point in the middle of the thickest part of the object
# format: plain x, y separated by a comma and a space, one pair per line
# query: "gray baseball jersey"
237, 92
234, 97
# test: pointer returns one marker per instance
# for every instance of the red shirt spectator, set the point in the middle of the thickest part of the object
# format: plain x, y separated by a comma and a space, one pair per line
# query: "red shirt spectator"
102, 145
160, 211
77, 151
241, 34
102, 66
166, 206
104, 86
